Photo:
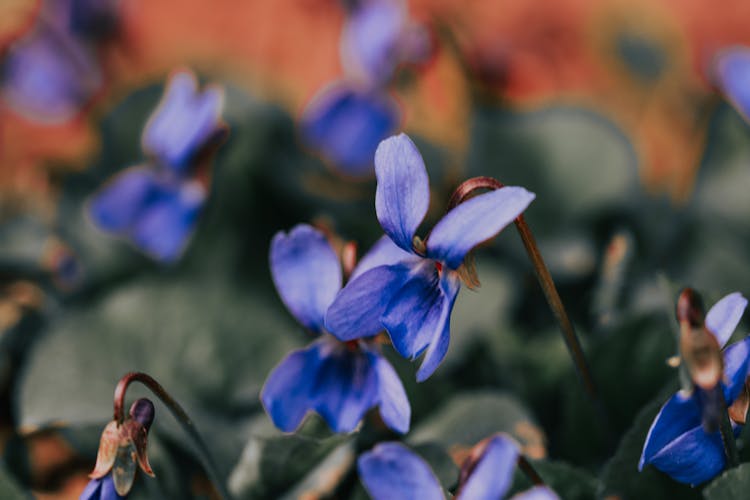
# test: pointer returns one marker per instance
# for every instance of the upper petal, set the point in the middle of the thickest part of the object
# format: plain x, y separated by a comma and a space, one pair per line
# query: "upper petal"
287, 394
736, 364
394, 405
358, 307
345, 387
403, 192
392, 472
678, 416
724, 316
475, 221
733, 72
306, 272
116, 205
184, 122
493, 474
383, 252
345, 125
164, 227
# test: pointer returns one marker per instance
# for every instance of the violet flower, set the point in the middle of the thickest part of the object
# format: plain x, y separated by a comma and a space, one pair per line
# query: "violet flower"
677, 442
410, 291
390, 471
340, 381
732, 72
156, 206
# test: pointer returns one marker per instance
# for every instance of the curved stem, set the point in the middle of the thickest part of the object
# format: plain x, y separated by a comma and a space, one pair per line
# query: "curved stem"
530, 471
545, 280
179, 414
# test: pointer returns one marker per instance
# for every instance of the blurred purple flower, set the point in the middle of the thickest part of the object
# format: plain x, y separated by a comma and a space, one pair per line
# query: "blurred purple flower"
677, 443
50, 74
392, 472
101, 489
411, 292
732, 72
157, 206
94, 19
340, 381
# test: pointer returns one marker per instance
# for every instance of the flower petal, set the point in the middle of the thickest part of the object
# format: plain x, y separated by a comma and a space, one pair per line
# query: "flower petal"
733, 72
693, 458
91, 491
346, 386
163, 230
678, 416
358, 307
536, 493
393, 472
723, 317
306, 272
493, 474
108, 491
449, 285
345, 125
475, 221
413, 314
383, 252
403, 193
736, 364
184, 122
287, 394
116, 206
394, 405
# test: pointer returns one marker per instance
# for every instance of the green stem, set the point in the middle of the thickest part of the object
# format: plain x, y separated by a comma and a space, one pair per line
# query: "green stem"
179, 414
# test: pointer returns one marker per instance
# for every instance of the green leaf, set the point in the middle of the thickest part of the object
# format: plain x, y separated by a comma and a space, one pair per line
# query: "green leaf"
9, 489
734, 483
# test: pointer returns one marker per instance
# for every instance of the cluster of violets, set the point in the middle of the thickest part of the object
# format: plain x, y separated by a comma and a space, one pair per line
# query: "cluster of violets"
52, 72
403, 289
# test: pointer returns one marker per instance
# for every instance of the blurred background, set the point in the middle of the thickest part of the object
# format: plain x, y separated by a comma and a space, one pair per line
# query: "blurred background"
612, 112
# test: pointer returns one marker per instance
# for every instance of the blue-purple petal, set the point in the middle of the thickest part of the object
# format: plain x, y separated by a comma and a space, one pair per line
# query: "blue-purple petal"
345, 124
693, 458
475, 221
493, 473
725, 315
287, 394
100, 489
438, 346
164, 227
736, 361
679, 415
185, 121
306, 272
733, 72
392, 472
394, 404
116, 206
371, 38
536, 493
383, 253
358, 307
403, 192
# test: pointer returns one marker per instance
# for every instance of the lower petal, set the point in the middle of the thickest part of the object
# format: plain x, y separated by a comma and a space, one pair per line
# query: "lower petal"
394, 405
679, 415
493, 474
116, 206
450, 285
393, 472
694, 458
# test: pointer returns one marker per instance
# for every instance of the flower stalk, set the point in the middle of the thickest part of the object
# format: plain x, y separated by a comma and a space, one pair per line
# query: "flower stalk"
180, 415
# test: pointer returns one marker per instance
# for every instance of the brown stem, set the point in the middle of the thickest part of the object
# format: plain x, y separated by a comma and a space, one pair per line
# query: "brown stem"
530, 471
545, 280
179, 414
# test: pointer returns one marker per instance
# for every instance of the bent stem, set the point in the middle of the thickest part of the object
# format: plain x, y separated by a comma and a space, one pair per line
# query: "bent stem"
545, 280
179, 414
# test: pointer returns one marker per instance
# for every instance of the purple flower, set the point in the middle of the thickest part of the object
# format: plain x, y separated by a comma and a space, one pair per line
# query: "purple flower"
339, 381
101, 489
677, 443
94, 19
346, 124
732, 71
50, 74
157, 206
392, 472
411, 292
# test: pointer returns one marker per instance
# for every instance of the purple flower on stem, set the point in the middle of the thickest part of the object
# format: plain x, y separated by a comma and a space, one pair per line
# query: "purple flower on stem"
390, 471
340, 381
101, 489
407, 286
732, 72
677, 442
157, 206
